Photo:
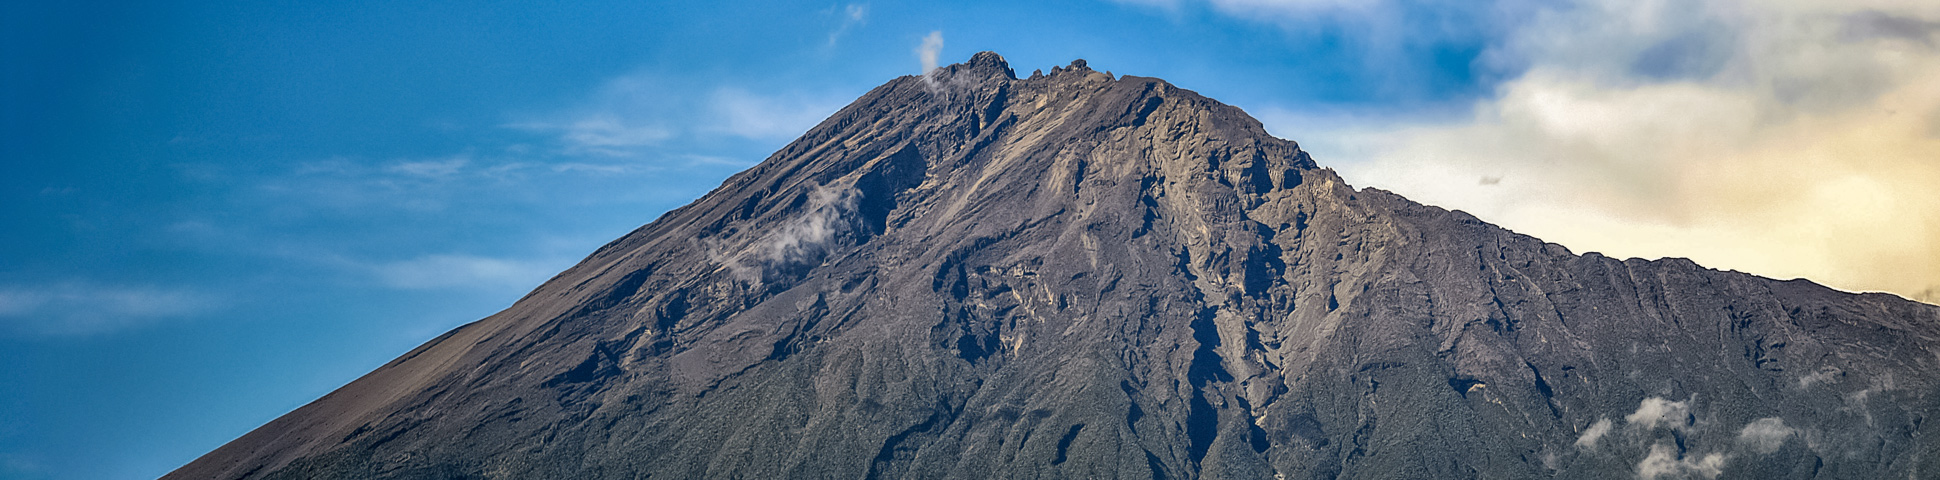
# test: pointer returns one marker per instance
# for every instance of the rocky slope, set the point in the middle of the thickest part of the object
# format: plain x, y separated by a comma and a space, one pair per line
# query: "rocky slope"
971, 275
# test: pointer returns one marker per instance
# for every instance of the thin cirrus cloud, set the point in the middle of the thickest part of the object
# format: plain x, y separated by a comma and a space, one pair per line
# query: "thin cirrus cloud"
443, 271
741, 113
425, 185
86, 308
413, 209
629, 115
851, 16
1785, 139
437, 168
339, 185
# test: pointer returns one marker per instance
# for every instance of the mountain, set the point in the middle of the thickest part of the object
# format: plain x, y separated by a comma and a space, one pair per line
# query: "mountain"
1074, 275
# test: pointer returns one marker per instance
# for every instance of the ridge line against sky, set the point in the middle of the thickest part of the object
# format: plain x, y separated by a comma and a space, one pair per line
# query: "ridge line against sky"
220, 211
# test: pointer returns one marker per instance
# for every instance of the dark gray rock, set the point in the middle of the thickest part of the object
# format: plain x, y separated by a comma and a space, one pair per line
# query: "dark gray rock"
968, 275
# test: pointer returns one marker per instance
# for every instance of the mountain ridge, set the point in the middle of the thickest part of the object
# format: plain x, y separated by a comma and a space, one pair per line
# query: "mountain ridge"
968, 274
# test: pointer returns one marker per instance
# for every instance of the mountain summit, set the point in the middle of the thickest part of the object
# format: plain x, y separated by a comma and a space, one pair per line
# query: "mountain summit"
965, 274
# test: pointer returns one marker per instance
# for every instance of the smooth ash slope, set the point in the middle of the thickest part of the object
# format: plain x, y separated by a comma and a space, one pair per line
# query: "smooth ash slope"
969, 275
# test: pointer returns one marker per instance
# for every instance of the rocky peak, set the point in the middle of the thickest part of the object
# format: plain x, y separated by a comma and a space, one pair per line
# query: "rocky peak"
988, 63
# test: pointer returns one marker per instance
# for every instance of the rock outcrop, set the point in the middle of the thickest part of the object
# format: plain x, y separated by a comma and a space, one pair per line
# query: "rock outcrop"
971, 275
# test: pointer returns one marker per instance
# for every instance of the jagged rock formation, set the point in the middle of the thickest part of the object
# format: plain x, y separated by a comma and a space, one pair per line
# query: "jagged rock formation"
970, 275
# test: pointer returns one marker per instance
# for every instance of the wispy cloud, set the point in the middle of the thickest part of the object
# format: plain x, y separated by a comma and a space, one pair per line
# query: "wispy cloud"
927, 51
429, 168
84, 308
1665, 460
630, 116
745, 114
1656, 412
828, 214
344, 184
609, 134
1168, 5
486, 222
417, 185
466, 271
1272, 10
851, 16
1787, 139
1766, 435
1290, 8
616, 119
1593, 434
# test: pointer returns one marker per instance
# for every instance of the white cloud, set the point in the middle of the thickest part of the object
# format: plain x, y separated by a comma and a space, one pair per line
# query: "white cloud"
83, 308
741, 113
1765, 435
430, 168
619, 117
1786, 139
600, 168
1827, 374
1593, 434
466, 271
1167, 5
801, 240
1654, 412
1291, 12
1289, 8
926, 52
604, 132
1664, 461
362, 187
852, 15
641, 116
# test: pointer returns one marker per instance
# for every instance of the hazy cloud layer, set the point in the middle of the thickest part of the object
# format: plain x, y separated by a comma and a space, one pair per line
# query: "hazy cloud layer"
83, 308
1787, 139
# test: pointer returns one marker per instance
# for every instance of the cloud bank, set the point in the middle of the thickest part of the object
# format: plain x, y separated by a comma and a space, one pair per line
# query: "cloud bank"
1786, 139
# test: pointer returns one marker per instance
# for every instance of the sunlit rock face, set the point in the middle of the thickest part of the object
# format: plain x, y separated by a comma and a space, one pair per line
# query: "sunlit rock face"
970, 275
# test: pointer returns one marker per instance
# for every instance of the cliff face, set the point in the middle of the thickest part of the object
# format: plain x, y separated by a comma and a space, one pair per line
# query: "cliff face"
970, 275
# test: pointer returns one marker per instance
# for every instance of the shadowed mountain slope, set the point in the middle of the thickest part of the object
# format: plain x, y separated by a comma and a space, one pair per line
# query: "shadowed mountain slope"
971, 275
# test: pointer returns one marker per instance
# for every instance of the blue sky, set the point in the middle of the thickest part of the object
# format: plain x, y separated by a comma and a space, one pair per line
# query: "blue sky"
211, 214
